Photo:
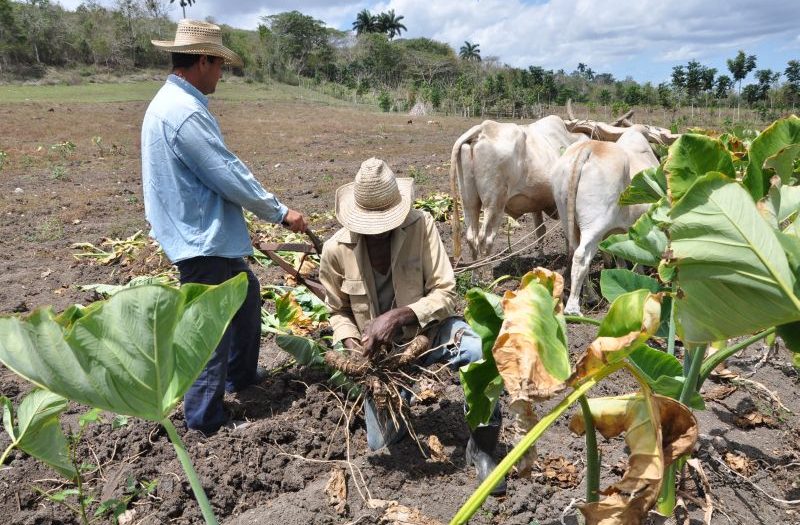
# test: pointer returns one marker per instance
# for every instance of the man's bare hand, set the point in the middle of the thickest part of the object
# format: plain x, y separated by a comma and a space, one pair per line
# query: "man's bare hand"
295, 221
384, 329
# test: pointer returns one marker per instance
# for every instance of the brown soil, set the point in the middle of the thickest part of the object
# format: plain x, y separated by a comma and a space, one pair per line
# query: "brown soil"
275, 470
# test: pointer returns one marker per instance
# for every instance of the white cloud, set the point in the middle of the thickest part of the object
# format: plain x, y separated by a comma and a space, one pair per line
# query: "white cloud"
640, 38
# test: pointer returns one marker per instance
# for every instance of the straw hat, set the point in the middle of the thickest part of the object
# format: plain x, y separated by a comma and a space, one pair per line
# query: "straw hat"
376, 201
199, 38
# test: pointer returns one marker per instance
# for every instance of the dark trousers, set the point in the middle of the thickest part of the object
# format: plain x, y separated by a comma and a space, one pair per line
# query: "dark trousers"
233, 365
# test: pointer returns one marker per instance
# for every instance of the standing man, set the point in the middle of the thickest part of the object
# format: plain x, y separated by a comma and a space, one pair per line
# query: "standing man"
387, 278
194, 192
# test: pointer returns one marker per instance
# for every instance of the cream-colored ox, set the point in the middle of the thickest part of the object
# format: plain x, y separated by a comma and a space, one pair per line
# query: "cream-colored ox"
587, 182
504, 168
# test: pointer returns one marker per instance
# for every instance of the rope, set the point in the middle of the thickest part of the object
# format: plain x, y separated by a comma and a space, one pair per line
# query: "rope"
500, 256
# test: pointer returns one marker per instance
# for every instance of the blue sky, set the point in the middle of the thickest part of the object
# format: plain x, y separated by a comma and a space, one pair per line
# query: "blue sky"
643, 39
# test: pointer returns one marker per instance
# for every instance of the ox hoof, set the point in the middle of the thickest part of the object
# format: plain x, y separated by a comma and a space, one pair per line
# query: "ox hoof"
572, 310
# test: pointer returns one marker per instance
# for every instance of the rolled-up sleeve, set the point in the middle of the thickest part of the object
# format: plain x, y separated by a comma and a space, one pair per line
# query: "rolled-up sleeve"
331, 274
438, 303
202, 150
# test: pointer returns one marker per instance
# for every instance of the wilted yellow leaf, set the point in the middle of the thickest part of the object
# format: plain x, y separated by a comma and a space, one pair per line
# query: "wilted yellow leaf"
605, 349
656, 433
524, 337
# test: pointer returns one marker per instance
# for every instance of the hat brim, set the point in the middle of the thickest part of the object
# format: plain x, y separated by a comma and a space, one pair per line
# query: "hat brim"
373, 222
215, 50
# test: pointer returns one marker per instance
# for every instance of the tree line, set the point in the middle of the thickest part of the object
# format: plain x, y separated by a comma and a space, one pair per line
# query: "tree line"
371, 61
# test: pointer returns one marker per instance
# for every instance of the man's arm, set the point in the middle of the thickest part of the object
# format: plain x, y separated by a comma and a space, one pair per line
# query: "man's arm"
438, 303
201, 148
331, 275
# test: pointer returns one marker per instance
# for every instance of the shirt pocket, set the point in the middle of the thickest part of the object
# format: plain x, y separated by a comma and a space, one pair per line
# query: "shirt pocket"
359, 304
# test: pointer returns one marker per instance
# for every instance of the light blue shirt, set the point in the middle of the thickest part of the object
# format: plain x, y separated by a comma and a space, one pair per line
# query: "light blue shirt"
194, 187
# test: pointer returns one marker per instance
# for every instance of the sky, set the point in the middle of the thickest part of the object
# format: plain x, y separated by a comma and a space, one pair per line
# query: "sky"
642, 39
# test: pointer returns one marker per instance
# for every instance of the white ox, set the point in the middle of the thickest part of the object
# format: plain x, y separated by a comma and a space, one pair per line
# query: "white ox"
587, 182
504, 168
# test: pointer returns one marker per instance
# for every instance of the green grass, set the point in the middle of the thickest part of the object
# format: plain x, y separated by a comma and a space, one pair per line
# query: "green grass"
145, 90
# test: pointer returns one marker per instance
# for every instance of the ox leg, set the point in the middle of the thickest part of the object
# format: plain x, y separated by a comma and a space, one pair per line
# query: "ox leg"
540, 229
581, 262
493, 216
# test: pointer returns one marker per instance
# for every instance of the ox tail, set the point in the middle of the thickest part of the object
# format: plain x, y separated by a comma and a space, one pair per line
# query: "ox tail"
456, 181
573, 232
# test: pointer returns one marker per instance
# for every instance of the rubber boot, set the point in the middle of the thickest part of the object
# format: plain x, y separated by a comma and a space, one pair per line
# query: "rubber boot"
480, 453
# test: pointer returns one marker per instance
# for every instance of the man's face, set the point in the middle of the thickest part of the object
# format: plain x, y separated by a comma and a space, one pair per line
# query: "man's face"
210, 72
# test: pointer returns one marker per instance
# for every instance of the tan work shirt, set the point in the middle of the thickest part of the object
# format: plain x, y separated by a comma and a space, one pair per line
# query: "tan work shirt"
422, 277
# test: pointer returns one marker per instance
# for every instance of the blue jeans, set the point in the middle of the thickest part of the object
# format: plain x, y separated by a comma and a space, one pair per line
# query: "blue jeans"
381, 430
233, 364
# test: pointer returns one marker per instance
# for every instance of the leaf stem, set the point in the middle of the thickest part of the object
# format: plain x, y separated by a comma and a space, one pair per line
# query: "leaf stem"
671, 336
667, 498
592, 454
715, 359
482, 492
6, 453
580, 319
188, 468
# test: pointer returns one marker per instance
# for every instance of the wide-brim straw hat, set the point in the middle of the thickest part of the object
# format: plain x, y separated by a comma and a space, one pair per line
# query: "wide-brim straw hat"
376, 201
194, 37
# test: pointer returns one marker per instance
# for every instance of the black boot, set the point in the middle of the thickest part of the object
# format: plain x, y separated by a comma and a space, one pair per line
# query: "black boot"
480, 453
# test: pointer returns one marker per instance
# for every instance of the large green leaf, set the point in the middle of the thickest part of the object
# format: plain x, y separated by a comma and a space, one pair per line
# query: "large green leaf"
643, 243
36, 429
664, 374
790, 333
133, 354
733, 275
481, 381
649, 185
629, 313
617, 281
775, 146
782, 203
304, 350
691, 157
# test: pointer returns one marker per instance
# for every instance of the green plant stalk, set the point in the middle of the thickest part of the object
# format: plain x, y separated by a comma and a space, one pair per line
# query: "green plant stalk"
667, 499
73, 452
6, 453
713, 360
583, 320
592, 454
482, 492
191, 473
671, 336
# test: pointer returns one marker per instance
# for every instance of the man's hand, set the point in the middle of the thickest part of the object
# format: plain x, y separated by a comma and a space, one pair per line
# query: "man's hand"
295, 221
383, 329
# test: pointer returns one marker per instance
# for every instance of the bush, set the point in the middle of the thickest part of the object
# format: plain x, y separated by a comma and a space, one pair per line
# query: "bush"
384, 102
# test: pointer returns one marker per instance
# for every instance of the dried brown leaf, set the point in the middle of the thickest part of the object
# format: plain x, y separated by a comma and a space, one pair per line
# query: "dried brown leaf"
656, 434
397, 514
741, 464
718, 393
755, 419
336, 490
438, 454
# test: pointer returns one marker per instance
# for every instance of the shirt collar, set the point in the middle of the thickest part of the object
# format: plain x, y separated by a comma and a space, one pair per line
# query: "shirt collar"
186, 86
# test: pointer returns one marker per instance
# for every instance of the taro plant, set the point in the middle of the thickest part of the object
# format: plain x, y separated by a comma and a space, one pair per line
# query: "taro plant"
134, 354
723, 231
525, 351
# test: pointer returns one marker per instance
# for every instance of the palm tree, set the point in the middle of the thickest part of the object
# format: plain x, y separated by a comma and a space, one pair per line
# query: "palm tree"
470, 51
365, 22
184, 3
390, 24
